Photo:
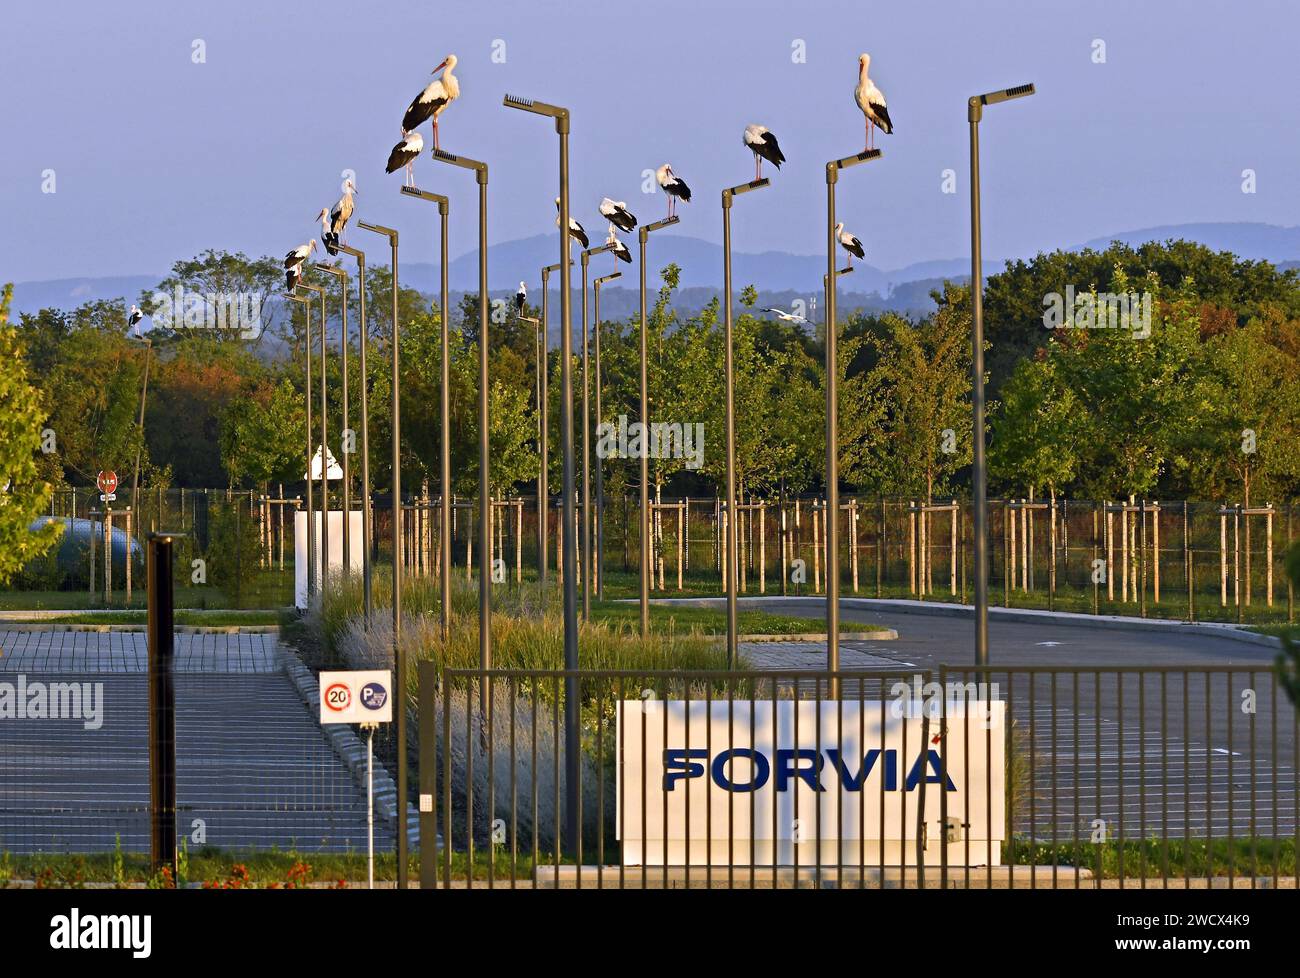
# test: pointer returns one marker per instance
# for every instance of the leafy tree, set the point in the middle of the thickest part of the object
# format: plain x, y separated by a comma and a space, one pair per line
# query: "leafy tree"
23, 497
261, 431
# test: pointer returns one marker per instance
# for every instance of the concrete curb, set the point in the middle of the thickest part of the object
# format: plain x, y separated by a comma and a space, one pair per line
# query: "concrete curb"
1235, 633
349, 747
880, 635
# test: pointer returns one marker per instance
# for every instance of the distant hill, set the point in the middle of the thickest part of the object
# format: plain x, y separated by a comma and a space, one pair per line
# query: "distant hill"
784, 277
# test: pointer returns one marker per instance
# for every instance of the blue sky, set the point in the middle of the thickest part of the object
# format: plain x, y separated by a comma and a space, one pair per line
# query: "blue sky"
156, 157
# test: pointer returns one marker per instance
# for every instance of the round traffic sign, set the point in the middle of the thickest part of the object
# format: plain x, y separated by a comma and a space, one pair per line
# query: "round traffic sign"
338, 697
107, 481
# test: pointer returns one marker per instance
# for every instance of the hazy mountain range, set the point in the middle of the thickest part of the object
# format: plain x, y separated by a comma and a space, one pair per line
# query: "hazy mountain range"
784, 276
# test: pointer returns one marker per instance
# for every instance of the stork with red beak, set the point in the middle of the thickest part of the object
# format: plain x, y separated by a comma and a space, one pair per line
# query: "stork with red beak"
429, 104
871, 101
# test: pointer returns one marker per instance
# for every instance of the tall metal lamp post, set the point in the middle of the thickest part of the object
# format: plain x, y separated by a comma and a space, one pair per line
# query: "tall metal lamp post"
484, 456
539, 348
363, 341
569, 548
342, 276
399, 656
979, 476
543, 477
732, 565
324, 446
444, 413
832, 424
600, 466
311, 515
643, 235
587, 568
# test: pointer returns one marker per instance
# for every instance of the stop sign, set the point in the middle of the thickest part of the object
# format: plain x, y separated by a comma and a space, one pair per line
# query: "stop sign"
107, 482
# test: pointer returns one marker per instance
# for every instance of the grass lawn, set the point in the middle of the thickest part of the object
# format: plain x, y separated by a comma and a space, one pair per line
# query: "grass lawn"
1148, 859
713, 621
213, 618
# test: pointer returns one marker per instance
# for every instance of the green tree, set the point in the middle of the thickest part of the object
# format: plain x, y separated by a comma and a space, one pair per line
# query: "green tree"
23, 498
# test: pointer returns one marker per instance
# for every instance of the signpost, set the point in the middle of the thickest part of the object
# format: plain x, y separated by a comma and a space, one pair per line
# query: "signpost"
361, 696
107, 483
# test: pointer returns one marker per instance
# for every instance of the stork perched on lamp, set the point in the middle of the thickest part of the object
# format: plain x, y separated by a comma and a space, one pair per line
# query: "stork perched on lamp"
335, 222
673, 186
404, 154
762, 143
850, 243
616, 212
871, 101
617, 247
575, 229
435, 98
521, 297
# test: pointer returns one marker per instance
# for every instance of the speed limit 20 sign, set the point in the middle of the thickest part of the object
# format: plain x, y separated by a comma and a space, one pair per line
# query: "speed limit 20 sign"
356, 696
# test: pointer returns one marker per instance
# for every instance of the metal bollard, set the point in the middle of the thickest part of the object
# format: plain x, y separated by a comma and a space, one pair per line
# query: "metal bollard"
162, 704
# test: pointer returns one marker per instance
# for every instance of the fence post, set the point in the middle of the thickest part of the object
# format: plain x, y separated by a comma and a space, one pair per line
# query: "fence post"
428, 774
162, 705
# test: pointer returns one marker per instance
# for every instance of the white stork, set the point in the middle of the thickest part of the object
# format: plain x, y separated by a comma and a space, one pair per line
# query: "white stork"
788, 317
133, 318
871, 101
849, 242
619, 248
338, 218
575, 228
673, 187
299, 254
293, 275
763, 145
405, 153
520, 298
437, 95
616, 212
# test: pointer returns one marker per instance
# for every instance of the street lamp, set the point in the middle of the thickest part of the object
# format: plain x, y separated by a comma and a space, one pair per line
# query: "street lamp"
484, 457
643, 235
363, 341
587, 573
399, 657
342, 276
979, 475
832, 424
543, 477
444, 412
324, 448
569, 548
311, 516
539, 354
600, 467
732, 565
144, 393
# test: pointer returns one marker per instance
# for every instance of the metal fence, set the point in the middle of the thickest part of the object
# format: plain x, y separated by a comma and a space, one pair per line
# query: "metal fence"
1023, 777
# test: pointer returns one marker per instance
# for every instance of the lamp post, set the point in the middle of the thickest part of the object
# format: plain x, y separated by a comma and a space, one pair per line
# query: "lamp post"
363, 341
732, 565
979, 474
444, 415
587, 572
569, 548
643, 235
311, 516
399, 656
342, 276
540, 359
144, 393
543, 475
484, 457
324, 448
832, 425
600, 463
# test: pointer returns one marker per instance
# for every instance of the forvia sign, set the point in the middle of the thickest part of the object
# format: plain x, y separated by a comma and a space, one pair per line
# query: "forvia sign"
356, 696
820, 782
